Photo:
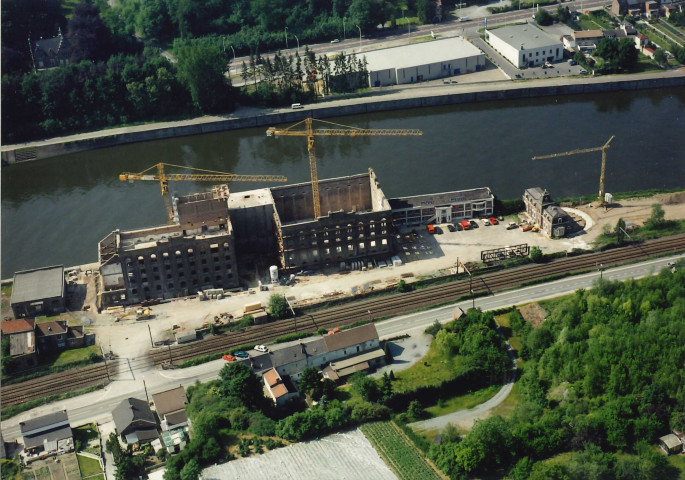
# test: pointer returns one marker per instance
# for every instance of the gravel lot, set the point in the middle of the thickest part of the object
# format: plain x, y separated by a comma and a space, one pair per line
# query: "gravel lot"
339, 456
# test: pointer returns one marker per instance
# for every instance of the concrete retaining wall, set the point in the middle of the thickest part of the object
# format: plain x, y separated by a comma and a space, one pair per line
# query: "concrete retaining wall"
22, 154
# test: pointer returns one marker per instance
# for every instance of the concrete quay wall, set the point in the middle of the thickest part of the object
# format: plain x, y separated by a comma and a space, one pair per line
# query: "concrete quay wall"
356, 106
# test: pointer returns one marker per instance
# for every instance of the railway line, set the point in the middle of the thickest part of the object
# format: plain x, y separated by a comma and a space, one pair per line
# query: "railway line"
406, 302
342, 315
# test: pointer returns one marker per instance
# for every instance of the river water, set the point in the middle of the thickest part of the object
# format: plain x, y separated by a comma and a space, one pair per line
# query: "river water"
55, 211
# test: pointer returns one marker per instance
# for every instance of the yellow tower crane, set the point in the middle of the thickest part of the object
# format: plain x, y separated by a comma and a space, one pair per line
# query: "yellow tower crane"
205, 176
335, 130
603, 149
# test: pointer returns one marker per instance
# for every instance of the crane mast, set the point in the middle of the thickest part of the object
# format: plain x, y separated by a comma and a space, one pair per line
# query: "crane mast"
335, 130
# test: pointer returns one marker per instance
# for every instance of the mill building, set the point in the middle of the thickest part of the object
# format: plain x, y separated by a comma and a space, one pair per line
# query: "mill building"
194, 253
553, 220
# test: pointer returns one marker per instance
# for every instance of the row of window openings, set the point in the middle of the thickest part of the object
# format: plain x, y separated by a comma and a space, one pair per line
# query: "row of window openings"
143, 275
537, 54
171, 285
167, 265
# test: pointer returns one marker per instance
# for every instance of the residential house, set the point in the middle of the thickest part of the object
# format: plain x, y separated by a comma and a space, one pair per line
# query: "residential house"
292, 359
672, 7
134, 421
588, 38
352, 342
47, 434
641, 41
340, 370
544, 212
279, 390
49, 52
623, 7
628, 28
171, 408
57, 335
38, 292
652, 9
22, 339
649, 52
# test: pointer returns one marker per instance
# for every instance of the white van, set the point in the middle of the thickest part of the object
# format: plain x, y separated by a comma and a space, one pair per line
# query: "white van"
296, 106
464, 19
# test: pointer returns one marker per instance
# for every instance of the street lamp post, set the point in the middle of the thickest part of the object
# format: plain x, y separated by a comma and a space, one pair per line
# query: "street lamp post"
360, 38
286, 38
298, 43
344, 33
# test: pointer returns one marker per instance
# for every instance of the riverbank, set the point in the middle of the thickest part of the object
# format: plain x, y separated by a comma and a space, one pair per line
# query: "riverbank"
384, 99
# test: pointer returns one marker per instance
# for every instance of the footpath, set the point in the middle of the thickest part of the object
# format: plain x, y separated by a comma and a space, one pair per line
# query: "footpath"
436, 93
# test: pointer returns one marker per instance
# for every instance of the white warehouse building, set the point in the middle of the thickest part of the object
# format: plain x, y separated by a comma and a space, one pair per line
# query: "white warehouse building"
525, 45
423, 61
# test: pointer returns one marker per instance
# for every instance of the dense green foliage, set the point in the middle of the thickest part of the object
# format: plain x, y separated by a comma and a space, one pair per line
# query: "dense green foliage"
127, 464
278, 306
90, 95
615, 54
603, 379
398, 452
6, 357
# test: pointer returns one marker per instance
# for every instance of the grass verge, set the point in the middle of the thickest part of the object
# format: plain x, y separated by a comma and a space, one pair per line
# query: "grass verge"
13, 410
463, 402
88, 466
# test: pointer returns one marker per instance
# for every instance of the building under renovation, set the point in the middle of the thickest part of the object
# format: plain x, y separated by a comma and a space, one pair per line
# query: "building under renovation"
544, 212
196, 252
442, 207
354, 222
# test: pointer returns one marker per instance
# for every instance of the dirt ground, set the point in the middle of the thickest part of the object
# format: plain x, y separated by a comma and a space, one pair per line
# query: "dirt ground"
533, 313
61, 467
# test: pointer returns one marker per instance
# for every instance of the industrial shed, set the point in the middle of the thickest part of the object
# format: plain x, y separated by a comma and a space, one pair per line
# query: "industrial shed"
38, 292
525, 45
423, 61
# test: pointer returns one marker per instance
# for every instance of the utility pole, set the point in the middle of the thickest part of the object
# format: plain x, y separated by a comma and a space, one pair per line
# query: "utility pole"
152, 344
106, 367
146, 395
473, 297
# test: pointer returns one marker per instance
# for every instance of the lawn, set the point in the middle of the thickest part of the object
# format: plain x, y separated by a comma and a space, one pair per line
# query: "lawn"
600, 21
74, 355
398, 452
678, 461
507, 406
434, 369
462, 402
85, 434
88, 466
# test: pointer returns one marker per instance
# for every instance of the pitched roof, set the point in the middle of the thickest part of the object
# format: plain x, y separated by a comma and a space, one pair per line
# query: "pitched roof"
10, 327
130, 410
271, 377
588, 34
48, 428
170, 401
351, 337
51, 328
37, 284
297, 351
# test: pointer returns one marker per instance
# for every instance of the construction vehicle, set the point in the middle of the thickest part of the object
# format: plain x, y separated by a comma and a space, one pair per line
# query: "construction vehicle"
143, 313
603, 149
337, 130
205, 176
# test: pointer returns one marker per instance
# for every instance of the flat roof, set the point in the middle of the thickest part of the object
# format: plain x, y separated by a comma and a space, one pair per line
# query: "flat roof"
526, 35
438, 199
32, 285
433, 51
250, 199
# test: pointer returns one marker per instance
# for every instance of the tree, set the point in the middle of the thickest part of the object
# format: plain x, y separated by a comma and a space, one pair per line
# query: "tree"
416, 410
89, 37
6, 357
657, 218
563, 14
238, 380
620, 231
191, 471
310, 381
535, 254
365, 386
542, 17
627, 54
278, 306
202, 69
660, 57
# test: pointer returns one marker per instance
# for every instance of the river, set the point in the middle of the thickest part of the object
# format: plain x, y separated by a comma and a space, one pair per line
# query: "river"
55, 211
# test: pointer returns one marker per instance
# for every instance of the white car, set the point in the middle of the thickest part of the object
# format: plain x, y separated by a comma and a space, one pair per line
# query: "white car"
261, 348
486, 222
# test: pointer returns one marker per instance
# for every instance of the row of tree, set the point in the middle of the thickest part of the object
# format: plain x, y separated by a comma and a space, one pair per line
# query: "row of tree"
602, 376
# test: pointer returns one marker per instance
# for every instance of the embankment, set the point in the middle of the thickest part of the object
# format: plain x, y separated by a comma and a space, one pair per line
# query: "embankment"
397, 100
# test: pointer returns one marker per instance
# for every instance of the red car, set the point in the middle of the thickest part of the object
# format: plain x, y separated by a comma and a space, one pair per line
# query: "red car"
229, 358
493, 220
465, 225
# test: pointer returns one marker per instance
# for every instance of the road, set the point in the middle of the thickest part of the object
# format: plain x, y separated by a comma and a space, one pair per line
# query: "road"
96, 406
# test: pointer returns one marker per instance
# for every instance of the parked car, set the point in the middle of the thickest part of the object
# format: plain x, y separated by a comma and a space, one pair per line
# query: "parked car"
261, 348
493, 220
459, 227
525, 227
335, 40
485, 221
240, 354
511, 226
473, 224
431, 229
583, 72
296, 106
549, 65
535, 228
229, 358
451, 227
438, 230
571, 62
465, 225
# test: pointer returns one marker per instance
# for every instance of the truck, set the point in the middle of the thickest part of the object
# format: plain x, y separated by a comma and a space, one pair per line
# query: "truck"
251, 308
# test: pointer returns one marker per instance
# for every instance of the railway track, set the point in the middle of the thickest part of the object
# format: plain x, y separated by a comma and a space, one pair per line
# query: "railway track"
406, 302
347, 314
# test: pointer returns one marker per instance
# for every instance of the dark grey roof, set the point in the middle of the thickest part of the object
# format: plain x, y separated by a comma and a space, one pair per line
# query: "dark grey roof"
299, 351
535, 192
259, 363
51, 428
130, 410
49, 45
351, 337
142, 435
555, 212
439, 199
32, 285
